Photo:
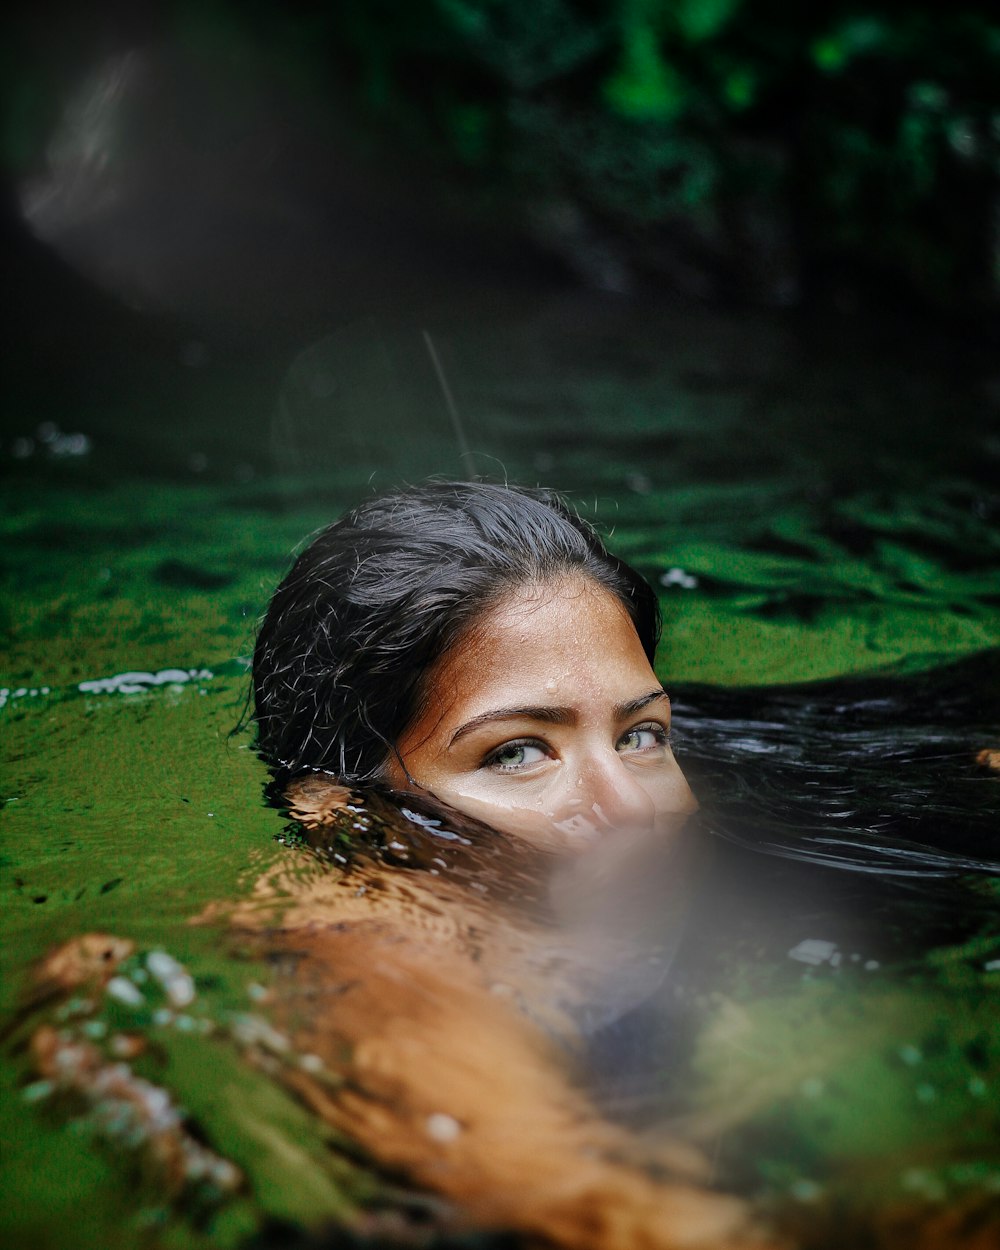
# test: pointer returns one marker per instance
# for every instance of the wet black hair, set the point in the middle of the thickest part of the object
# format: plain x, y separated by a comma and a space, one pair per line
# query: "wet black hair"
882, 773
876, 774
380, 595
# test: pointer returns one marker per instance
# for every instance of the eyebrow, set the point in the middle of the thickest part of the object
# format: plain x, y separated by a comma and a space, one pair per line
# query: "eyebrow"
553, 715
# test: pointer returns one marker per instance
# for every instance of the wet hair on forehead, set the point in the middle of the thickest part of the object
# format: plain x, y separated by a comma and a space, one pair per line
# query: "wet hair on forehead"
353, 630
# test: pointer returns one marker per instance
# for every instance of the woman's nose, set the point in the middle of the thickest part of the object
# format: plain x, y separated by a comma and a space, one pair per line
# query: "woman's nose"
613, 793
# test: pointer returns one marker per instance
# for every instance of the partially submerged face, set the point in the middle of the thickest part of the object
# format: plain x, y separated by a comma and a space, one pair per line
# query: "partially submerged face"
547, 720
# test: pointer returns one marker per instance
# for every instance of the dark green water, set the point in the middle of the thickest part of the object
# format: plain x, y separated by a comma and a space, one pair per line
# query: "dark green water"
812, 501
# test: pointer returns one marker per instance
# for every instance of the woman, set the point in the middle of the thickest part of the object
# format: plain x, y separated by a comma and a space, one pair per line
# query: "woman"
477, 643
474, 659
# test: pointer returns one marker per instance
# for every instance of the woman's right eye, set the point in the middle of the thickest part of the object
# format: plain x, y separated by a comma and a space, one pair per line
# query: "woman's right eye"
513, 756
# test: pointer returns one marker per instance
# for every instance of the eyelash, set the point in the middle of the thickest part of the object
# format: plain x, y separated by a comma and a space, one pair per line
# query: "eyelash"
657, 730
663, 739
492, 759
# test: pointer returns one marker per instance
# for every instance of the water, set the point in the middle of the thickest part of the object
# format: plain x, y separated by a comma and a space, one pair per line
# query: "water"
812, 501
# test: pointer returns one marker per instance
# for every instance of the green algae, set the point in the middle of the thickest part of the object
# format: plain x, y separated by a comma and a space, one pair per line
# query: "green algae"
289, 1168
114, 823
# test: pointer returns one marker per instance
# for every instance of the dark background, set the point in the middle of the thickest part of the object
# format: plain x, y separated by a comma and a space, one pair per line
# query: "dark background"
196, 187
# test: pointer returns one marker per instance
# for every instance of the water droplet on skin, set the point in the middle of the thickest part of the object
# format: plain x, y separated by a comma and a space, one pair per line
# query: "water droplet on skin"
443, 1128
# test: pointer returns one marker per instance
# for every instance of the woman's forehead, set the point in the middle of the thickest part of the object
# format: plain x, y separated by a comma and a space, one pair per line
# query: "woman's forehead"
541, 641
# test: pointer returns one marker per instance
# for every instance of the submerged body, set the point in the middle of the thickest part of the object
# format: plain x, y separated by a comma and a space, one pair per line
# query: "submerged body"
441, 984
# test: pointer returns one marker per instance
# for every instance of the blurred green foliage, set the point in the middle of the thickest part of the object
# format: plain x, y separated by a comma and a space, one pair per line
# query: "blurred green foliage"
836, 131
768, 149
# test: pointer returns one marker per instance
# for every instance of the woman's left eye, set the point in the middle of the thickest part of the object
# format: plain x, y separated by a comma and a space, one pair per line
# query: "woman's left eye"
514, 756
642, 738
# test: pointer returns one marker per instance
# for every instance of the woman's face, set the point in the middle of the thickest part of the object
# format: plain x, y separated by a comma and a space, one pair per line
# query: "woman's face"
548, 721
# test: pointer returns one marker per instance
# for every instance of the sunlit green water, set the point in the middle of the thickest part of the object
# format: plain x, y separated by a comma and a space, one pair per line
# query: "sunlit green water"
809, 505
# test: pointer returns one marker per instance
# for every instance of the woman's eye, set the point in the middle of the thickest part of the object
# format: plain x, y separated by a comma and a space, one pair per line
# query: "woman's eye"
514, 755
643, 738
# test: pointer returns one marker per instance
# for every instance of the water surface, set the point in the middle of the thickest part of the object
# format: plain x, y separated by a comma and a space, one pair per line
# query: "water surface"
811, 501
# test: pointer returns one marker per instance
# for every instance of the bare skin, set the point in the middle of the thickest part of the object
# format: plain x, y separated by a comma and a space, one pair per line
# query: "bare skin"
450, 1085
